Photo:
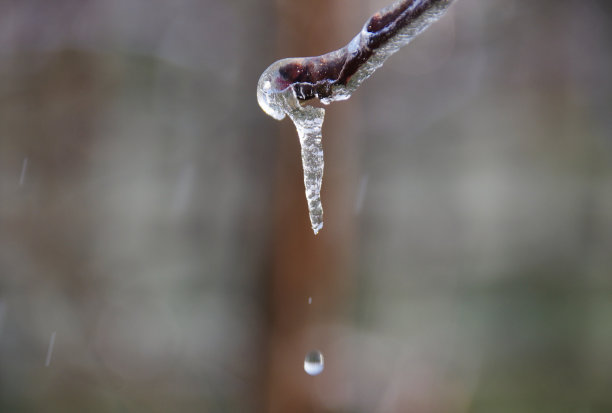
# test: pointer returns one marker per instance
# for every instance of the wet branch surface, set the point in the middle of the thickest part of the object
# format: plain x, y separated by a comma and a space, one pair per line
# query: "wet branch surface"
312, 77
335, 76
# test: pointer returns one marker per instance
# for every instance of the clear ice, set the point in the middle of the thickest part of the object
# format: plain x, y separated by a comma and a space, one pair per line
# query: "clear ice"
278, 99
308, 121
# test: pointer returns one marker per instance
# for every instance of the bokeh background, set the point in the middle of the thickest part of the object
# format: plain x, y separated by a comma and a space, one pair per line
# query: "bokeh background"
155, 248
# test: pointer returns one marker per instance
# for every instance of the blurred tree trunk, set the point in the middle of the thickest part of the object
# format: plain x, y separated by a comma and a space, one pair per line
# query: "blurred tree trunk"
305, 265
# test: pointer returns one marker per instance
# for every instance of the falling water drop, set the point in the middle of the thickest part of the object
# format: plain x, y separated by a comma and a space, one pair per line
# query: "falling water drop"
313, 363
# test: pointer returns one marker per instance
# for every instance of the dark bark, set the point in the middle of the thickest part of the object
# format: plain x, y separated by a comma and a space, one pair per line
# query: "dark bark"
314, 76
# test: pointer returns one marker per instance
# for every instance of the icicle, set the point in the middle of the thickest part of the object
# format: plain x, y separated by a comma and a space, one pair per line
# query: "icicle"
335, 76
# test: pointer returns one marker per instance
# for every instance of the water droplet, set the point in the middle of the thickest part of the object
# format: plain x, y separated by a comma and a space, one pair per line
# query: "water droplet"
309, 300
313, 363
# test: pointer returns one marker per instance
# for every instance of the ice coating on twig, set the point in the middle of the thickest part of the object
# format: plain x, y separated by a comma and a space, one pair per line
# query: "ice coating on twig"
308, 121
335, 76
401, 32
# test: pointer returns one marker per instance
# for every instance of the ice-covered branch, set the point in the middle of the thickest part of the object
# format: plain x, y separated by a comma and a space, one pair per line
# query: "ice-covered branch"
335, 76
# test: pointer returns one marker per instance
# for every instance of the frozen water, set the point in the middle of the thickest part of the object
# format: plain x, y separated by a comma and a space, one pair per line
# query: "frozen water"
308, 121
404, 35
335, 76
313, 363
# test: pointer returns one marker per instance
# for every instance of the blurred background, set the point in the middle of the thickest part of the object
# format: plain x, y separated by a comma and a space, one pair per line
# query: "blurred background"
155, 248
